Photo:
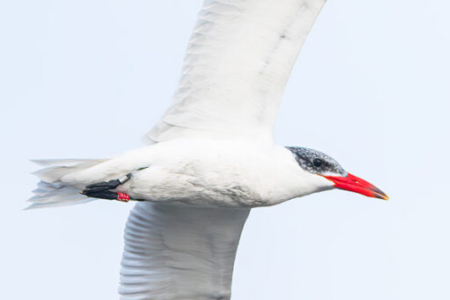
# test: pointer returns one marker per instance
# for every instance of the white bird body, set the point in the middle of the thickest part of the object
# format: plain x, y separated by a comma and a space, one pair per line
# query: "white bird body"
211, 157
207, 172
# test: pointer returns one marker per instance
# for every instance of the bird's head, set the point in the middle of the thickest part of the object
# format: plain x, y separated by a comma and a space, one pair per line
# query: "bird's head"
324, 167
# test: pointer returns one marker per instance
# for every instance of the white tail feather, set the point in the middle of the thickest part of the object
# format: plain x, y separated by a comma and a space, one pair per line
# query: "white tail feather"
51, 191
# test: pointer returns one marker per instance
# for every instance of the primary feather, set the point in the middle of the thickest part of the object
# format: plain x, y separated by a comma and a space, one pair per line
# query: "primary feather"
238, 61
179, 252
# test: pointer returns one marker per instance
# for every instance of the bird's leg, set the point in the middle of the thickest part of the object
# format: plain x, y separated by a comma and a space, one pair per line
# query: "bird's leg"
103, 189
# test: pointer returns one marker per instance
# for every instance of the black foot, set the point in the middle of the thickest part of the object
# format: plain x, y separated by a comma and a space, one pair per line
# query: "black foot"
102, 190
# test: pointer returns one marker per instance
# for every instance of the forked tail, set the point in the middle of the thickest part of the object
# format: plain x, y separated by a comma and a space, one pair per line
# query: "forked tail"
51, 190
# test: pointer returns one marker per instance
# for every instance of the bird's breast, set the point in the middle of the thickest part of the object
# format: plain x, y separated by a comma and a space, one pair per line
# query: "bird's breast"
197, 183
211, 175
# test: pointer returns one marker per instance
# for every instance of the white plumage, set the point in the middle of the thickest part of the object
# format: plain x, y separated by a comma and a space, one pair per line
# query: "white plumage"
238, 61
177, 252
211, 156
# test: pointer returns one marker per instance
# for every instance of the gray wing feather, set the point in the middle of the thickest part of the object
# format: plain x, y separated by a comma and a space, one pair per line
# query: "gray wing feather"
179, 252
237, 64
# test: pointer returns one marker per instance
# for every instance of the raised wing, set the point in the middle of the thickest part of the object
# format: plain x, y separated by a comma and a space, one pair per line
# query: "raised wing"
177, 252
237, 64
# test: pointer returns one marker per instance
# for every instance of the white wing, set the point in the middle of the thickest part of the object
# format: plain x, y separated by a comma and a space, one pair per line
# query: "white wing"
174, 252
237, 64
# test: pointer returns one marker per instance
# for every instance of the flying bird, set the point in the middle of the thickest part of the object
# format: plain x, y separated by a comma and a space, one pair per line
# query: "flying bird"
211, 157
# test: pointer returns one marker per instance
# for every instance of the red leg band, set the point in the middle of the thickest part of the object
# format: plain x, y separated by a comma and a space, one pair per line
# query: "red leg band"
123, 197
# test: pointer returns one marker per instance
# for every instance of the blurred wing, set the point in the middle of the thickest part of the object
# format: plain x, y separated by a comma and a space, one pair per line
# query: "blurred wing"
174, 252
237, 64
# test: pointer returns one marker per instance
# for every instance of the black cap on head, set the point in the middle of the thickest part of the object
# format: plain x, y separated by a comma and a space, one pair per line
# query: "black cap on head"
317, 162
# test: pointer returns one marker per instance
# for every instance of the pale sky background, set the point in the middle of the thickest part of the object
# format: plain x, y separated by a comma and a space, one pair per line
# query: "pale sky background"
86, 79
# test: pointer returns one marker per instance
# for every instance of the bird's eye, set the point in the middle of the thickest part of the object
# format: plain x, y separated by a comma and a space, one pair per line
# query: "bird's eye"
317, 162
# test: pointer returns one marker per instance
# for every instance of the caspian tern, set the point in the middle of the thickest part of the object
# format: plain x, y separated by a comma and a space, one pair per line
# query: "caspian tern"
211, 157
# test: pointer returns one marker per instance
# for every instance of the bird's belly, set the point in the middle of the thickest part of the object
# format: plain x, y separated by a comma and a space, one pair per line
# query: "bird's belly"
195, 186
